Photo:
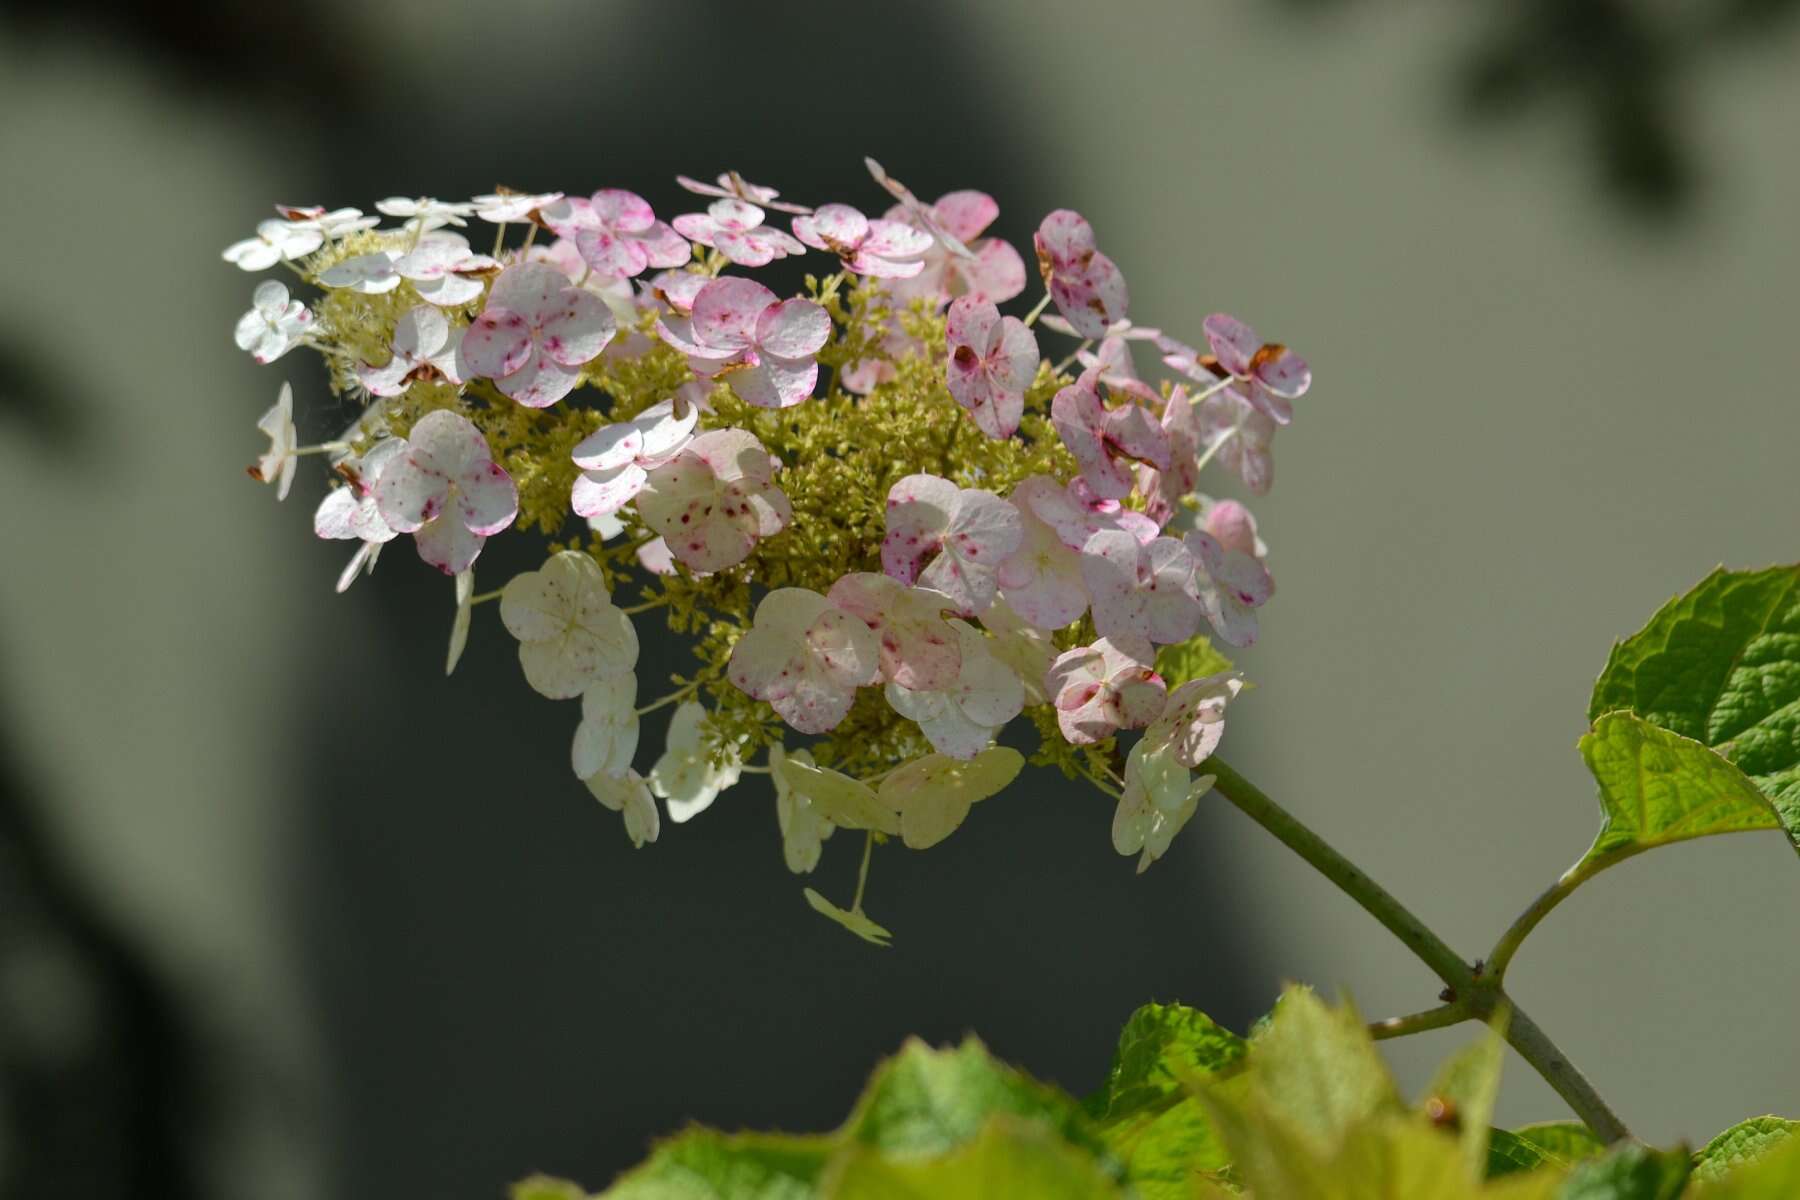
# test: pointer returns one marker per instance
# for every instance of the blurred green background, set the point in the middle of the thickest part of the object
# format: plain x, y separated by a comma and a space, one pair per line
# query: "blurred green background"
285, 914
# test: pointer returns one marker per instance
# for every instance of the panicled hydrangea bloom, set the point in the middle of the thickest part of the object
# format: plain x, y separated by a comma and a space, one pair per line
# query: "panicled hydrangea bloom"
887, 524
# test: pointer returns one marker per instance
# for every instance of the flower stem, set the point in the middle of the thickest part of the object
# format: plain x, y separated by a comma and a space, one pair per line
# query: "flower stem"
674, 697
1432, 1018
862, 874
1032, 316
1473, 993
646, 606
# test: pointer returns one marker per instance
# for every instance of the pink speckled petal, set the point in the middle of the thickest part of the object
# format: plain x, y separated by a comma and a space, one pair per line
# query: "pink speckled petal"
918, 649
678, 332
1080, 421
726, 312
1093, 299
664, 247
626, 212
919, 511
1233, 342
965, 214
655, 558
578, 329
1110, 569
1042, 579
971, 322
775, 383
334, 518
996, 273
409, 496
895, 239
486, 499
601, 493
678, 290
569, 214
1137, 434
533, 290
1282, 371
1232, 526
873, 266
497, 344
838, 228
610, 253
1064, 241
1172, 608
696, 227
664, 433
447, 443
793, 329
449, 291
541, 382
448, 545
386, 380
609, 447
732, 454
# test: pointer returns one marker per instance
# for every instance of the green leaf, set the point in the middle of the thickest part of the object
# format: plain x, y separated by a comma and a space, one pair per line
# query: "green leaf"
1658, 787
545, 1187
925, 1101
703, 1165
853, 919
1774, 1176
1551, 1143
1318, 1067
1630, 1172
1461, 1097
1743, 1143
1008, 1158
1147, 1116
1721, 665
1193, 659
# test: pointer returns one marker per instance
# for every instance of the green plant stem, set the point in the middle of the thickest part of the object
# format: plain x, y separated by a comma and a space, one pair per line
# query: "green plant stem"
1432, 1018
1515, 935
1470, 993
1430, 949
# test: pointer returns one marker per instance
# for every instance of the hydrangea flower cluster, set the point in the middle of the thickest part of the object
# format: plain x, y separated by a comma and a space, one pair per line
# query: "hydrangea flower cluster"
891, 525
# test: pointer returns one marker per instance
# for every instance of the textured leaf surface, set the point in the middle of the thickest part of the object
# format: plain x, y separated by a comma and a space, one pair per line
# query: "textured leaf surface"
1147, 1116
1192, 659
1743, 1143
704, 1165
925, 1101
1318, 1065
1658, 787
1721, 665
1775, 1176
1629, 1173
1552, 1143
1008, 1158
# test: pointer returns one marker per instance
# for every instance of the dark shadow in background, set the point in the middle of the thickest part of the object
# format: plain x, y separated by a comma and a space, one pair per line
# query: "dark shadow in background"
97, 1070
1622, 68
502, 983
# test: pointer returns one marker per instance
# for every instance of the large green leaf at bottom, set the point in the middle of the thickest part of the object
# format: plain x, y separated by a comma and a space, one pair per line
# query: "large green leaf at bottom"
704, 1165
1658, 787
1774, 1176
1008, 1158
1721, 665
1145, 1113
1743, 1143
1548, 1143
1629, 1172
925, 1101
